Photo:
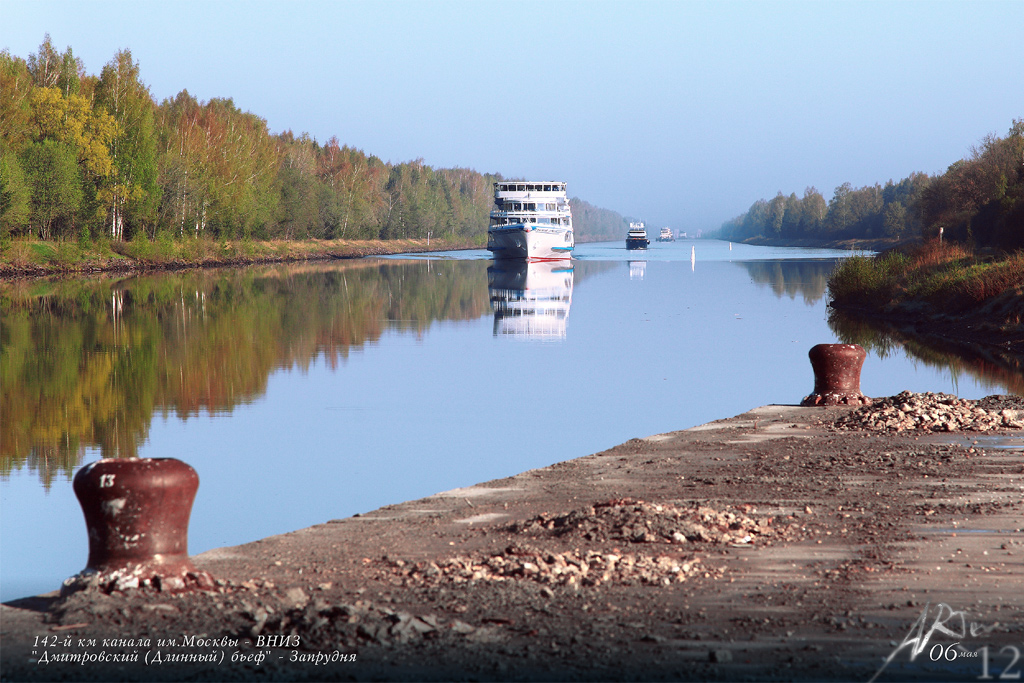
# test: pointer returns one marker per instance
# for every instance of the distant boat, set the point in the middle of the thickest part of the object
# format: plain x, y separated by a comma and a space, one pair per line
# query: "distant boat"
530, 220
636, 238
666, 235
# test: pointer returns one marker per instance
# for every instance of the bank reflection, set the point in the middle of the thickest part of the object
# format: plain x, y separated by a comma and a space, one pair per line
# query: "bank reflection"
530, 299
88, 363
805, 278
989, 364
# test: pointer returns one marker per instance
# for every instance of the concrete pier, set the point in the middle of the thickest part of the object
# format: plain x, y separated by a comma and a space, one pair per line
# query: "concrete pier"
764, 546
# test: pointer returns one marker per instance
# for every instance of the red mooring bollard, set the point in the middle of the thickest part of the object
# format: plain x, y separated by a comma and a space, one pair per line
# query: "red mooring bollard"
137, 512
837, 375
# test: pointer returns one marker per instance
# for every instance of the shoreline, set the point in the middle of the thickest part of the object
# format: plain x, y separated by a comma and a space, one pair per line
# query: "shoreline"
270, 253
853, 245
233, 254
773, 544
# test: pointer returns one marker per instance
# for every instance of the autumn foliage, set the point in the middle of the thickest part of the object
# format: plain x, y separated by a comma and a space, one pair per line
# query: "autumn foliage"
91, 158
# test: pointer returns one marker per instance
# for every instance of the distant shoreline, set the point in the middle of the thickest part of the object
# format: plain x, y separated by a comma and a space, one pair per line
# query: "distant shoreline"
880, 244
37, 258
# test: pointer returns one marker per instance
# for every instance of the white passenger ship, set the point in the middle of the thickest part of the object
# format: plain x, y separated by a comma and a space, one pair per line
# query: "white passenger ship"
530, 220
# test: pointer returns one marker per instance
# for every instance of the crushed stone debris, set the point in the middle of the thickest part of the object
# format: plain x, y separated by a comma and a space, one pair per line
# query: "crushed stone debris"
932, 412
572, 568
137, 577
638, 521
615, 521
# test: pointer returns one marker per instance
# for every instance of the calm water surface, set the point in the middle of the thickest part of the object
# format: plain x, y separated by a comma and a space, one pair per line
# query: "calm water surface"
306, 393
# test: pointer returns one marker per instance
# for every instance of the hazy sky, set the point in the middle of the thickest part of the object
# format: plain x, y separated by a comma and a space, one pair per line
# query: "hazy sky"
680, 113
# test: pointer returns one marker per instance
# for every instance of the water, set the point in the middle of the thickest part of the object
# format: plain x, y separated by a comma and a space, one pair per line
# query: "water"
306, 393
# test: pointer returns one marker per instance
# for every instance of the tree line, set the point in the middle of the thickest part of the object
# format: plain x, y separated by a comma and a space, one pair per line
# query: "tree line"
978, 200
96, 157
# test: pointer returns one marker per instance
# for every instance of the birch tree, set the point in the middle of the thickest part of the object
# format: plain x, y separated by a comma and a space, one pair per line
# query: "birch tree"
133, 195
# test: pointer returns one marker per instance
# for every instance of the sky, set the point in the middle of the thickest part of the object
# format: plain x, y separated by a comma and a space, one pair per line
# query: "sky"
678, 113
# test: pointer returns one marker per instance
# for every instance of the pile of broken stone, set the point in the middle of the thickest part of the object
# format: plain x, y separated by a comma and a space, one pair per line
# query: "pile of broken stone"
935, 412
622, 521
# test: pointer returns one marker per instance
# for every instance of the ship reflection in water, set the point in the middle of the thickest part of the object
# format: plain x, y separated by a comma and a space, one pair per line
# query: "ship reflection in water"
530, 299
637, 270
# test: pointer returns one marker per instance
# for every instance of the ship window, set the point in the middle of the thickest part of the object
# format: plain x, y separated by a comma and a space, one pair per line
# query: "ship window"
520, 188
531, 207
547, 188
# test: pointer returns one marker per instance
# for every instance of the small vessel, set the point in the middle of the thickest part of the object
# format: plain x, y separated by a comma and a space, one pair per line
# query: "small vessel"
530, 299
666, 235
530, 220
636, 238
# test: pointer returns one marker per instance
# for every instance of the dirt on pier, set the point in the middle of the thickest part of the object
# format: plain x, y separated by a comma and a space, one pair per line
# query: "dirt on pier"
786, 543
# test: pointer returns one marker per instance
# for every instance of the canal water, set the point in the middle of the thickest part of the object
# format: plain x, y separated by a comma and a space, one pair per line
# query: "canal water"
310, 392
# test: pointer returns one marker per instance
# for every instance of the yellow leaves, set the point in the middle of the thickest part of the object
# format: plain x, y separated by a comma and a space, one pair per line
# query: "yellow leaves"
120, 193
72, 120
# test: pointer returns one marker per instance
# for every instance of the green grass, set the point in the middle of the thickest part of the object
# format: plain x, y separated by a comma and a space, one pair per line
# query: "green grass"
33, 256
948, 277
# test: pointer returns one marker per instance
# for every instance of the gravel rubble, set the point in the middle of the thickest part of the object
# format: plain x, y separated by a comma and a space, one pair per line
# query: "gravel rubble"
935, 412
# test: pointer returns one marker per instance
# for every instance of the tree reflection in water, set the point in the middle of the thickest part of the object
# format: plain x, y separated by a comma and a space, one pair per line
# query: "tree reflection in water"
806, 278
988, 364
87, 363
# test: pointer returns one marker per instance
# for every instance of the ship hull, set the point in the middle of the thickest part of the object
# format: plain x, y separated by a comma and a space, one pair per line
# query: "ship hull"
530, 241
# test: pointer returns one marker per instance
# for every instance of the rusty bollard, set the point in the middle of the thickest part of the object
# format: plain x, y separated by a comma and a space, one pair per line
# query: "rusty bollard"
137, 512
837, 375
